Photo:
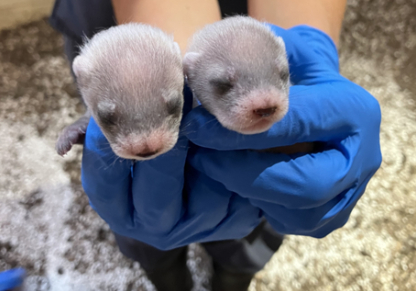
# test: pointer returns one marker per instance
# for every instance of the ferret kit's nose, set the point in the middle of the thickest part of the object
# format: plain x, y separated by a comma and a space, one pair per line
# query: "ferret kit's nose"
147, 153
265, 112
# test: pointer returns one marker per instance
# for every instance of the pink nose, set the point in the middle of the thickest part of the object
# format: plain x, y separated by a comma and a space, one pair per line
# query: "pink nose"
265, 112
147, 153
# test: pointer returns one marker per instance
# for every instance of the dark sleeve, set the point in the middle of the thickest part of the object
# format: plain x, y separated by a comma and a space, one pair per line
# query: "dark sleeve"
82, 18
233, 7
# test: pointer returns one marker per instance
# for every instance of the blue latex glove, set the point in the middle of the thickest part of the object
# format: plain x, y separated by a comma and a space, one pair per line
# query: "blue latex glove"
149, 202
11, 279
304, 194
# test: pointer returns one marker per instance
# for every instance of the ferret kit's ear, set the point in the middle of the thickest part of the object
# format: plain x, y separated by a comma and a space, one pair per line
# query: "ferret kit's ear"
178, 49
281, 42
189, 62
106, 106
80, 66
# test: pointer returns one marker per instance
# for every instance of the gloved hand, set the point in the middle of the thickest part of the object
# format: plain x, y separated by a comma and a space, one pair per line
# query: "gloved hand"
11, 279
303, 194
149, 202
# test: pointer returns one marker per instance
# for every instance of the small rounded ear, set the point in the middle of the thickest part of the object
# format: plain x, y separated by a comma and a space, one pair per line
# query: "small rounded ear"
178, 49
280, 42
79, 66
189, 62
106, 106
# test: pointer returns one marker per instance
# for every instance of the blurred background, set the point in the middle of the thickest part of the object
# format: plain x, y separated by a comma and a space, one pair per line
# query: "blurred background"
47, 226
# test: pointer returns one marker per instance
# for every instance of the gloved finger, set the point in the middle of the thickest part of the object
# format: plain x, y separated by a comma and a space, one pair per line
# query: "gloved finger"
242, 217
11, 279
106, 179
211, 213
316, 113
316, 222
311, 53
295, 182
300, 221
157, 189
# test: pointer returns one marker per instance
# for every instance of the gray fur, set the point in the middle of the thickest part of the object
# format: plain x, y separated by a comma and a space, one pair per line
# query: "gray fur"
245, 52
240, 50
131, 79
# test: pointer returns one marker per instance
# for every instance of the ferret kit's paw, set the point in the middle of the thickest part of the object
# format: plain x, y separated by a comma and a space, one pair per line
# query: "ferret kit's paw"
70, 135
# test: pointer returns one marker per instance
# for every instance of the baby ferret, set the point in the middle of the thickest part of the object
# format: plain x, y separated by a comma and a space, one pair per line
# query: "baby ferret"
131, 78
238, 70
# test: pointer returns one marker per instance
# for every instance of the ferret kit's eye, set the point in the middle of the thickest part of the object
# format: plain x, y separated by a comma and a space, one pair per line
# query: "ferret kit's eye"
107, 117
174, 106
284, 75
106, 113
221, 86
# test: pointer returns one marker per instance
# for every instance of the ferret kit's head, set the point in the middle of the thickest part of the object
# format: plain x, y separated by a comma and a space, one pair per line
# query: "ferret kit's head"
131, 79
238, 69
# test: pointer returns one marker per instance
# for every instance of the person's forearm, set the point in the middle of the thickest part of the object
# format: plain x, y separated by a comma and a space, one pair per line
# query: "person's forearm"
182, 18
326, 15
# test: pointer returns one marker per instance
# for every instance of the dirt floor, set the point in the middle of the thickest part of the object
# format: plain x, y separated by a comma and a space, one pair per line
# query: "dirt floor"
47, 226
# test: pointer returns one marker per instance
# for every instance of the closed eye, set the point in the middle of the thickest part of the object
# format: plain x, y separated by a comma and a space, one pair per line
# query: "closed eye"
174, 106
221, 86
107, 118
284, 75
